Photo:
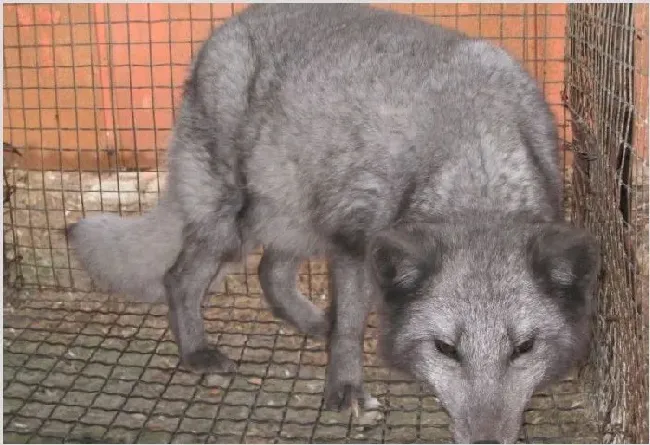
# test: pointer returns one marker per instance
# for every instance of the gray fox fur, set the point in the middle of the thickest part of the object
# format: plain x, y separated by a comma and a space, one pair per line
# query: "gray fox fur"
422, 163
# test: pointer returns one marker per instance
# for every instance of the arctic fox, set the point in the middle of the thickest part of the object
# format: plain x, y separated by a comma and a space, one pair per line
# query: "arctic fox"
420, 162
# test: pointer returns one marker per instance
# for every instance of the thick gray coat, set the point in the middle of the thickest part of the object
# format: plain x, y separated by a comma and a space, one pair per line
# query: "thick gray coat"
422, 163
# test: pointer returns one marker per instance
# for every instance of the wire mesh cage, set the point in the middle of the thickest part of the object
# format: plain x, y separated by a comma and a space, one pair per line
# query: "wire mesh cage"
607, 88
88, 106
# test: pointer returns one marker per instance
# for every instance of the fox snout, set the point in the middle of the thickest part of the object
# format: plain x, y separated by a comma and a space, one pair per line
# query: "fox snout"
494, 414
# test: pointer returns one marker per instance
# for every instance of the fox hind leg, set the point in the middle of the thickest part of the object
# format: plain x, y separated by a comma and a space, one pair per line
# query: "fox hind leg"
278, 272
186, 283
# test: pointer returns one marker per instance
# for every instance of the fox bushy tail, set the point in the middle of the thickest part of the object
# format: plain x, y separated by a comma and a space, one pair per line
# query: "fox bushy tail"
129, 255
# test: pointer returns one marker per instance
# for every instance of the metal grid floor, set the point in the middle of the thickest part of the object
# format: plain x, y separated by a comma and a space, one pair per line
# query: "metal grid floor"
80, 367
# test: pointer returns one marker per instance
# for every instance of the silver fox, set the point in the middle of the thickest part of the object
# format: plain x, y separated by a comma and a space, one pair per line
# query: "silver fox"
420, 162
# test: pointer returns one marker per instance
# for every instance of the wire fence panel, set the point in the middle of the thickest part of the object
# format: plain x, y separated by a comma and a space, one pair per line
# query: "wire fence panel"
89, 99
607, 87
91, 369
89, 96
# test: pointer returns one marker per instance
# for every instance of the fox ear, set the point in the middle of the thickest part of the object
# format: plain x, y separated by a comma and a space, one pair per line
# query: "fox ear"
402, 260
567, 261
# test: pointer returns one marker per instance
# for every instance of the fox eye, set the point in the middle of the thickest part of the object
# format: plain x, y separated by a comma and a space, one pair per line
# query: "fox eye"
522, 348
446, 349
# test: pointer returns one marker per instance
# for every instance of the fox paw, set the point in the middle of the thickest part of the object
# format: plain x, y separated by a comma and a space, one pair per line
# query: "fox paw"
316, 326
310, 321
208, 360
342, 396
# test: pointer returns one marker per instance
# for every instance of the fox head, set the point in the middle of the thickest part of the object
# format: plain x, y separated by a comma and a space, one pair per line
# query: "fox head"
485, 315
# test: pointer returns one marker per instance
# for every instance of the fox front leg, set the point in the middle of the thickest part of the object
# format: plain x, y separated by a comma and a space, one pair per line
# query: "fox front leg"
351, 304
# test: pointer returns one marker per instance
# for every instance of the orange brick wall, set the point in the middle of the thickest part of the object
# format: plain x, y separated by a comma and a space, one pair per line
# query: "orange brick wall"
94, 86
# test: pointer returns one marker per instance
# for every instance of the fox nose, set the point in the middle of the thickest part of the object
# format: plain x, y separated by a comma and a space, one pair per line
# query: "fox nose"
487, 441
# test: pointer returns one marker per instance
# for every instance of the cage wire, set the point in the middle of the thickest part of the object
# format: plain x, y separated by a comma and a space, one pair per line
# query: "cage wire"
607, 87
89, 97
